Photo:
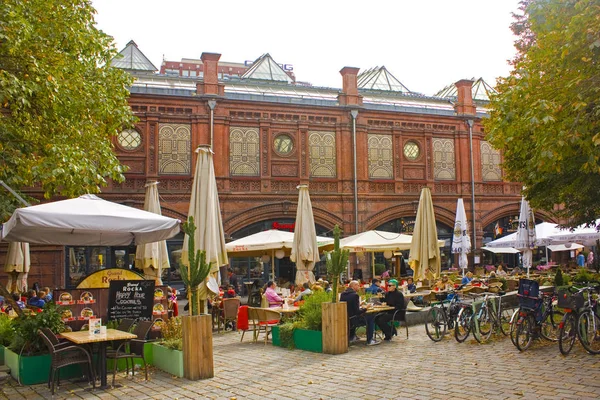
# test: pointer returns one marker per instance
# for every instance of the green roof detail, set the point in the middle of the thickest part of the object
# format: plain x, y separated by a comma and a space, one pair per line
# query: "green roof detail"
131, 58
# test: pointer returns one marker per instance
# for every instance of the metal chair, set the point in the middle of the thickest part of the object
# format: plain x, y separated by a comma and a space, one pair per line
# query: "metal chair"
131, 349
229, 313
63, 356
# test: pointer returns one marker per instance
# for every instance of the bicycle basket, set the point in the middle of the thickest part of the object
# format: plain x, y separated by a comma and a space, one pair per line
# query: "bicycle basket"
529, 303
570, 301
441, 296
529, 288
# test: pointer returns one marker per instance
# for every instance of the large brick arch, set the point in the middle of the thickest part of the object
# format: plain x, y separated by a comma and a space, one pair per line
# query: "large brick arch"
403, 210
283, 209
513, 209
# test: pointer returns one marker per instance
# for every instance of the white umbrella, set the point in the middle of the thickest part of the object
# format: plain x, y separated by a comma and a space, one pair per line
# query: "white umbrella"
526, 234
461, 242
565, 247
152, 257
305, 250
377, 241
204, 207
17, 265
544, 235
264, 242
87, 221
501, 250
587, 235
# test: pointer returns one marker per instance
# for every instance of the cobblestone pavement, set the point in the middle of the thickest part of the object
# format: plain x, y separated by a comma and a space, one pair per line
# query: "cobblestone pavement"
403, 369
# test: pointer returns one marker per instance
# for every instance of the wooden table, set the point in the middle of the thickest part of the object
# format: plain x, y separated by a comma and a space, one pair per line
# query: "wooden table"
378, 309
84, 337
288, 310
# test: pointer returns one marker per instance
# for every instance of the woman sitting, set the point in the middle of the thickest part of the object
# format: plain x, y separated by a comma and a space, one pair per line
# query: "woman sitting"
272, 297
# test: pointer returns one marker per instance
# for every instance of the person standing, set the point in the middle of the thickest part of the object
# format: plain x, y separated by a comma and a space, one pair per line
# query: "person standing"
233, 280
581, 260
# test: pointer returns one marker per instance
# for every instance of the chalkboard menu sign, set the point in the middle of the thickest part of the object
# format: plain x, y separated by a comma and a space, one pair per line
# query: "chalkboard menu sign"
130, 299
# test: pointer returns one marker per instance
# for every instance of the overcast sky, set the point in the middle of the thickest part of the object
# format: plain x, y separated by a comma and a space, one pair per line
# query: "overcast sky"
426, 44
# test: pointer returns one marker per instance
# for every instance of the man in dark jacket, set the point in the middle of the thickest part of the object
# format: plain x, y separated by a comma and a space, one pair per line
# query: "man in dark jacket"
358, 316
393, 298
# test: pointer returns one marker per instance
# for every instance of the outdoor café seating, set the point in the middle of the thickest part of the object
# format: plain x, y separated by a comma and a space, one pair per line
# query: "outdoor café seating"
131, 349
266, 320
229, 313
63, 356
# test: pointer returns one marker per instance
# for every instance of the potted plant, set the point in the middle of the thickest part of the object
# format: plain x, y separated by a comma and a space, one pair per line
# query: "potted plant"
7, 333
197, 329
27, 355
168, 353
335, 315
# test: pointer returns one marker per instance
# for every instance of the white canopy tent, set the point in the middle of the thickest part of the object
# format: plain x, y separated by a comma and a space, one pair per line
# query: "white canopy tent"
87, 221
501, 250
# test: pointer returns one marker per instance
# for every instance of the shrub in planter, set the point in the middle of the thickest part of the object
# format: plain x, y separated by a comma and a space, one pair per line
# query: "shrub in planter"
172, 334
558, 278
26, 340
311, 313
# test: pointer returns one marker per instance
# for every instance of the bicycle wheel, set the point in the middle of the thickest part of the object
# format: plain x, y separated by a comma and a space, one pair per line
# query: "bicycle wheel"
513, 326
436, 325
485, 321
462, 327
567, 333
588, 329
551, 325
524, 332
505, 319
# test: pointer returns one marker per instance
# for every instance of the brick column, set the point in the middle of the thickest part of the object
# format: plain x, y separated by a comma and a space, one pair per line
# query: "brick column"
210, 81
349, 95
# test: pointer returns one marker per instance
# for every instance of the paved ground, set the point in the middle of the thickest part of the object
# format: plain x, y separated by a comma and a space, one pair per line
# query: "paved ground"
404, 369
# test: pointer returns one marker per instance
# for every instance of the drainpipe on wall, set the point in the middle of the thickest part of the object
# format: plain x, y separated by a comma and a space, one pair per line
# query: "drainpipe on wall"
212, 104
470, 123
354, 114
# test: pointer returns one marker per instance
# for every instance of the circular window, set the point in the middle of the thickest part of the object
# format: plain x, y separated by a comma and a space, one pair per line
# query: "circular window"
283, 145
411, 150
129, 139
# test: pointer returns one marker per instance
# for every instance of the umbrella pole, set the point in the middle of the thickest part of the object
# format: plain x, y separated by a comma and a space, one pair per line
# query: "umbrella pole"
273, 263
373, 265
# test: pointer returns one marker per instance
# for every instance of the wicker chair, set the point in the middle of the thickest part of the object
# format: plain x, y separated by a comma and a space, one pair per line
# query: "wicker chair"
131, 349
229, 313
267, 319
63, 356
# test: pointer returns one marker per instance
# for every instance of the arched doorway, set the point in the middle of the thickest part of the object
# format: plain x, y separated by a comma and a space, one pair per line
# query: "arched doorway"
252, 268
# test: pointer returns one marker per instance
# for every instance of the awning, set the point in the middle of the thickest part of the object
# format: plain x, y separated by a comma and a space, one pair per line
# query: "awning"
506, 250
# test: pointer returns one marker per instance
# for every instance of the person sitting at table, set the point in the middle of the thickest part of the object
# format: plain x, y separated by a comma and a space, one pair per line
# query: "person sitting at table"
358, 316
467, 278
305, 293
48, 296
500, 271
410, 285
375, 287
271, 295
34, 300
327, 287
516, 271
393, 298
230, 293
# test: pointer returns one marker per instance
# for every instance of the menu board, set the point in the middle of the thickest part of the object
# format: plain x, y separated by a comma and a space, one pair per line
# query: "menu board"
130, 299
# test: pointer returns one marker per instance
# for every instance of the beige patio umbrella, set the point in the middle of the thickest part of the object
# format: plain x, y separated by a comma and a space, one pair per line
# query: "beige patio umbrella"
305, 250
424, 250
209, 235
17, 265
152, 257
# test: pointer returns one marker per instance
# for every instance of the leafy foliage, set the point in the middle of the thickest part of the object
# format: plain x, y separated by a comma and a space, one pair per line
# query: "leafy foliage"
584, 276
7, 330
546, 117
198, 269
60, 100
172, 334
286, 335
26, 338
311, 312
558, 278
337, 262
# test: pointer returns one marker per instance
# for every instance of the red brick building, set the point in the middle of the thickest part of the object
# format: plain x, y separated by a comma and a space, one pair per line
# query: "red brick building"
270, 134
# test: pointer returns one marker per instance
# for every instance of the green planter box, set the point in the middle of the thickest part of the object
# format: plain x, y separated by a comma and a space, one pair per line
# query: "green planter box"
122, 366
31, 370
168, 360
1, 355
303, 339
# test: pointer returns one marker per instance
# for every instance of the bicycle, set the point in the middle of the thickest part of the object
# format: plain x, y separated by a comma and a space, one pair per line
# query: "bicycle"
588, 324
568, 328
492, 317
537, 318
441, 316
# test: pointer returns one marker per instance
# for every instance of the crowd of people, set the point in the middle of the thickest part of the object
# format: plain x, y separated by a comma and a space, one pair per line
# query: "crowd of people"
34, 299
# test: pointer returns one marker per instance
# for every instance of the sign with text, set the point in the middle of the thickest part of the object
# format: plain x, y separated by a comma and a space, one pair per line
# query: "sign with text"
130, 299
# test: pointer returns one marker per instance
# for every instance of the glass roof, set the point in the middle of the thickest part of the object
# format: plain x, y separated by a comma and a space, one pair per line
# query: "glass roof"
481, 90
133, 59
265, 68
380, 79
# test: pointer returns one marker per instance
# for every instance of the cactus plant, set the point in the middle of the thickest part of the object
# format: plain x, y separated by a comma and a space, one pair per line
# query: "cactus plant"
198, 269
337, 261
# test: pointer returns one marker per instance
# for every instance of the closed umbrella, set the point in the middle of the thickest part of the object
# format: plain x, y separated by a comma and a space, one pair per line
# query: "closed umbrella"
204, 207
17, 265
461, 242
152, 257
526, 236
424, 251
305, 250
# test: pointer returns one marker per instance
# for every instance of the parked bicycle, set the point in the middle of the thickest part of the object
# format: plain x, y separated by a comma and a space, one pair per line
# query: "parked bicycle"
588, 324
571, 303
442, 315
537, 316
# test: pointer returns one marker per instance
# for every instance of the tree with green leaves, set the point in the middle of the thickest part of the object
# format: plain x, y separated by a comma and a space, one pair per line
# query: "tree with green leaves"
337, 262
546, 116
198, 269
60, 100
